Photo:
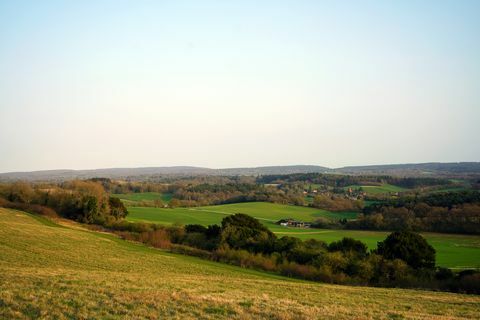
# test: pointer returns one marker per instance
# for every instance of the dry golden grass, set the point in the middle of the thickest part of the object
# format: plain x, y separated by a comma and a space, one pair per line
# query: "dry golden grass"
59, 272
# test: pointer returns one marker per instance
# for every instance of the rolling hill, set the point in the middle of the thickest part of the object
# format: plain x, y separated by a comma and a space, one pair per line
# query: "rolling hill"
420, 169
453, 250
50, 270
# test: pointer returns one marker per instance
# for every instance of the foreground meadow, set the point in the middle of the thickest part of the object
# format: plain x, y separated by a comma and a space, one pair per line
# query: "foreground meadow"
453, 251
63, 272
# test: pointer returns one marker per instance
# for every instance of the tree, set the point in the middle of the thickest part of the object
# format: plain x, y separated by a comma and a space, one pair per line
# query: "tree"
158, 203
174, 203
349, 245
20, 192
117, 208
240, 231
409, 247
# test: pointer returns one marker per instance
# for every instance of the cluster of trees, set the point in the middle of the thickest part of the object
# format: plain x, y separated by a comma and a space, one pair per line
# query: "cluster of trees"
340, 181
336, 203
84, 201
451, 212
212, 194
284, 189
403, 259
115, 186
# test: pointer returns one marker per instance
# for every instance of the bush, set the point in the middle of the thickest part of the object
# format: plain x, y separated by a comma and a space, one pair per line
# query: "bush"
157, 238
349, 245
186, 250
469, 283
246, 259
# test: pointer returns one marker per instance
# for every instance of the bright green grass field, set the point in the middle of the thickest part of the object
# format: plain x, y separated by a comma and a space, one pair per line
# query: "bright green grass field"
144, 196
49, 271
385, 188
453, 251
264, 211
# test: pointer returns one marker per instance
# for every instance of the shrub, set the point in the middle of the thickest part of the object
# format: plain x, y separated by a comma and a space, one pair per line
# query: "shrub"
156, 238
186, 250
349, 245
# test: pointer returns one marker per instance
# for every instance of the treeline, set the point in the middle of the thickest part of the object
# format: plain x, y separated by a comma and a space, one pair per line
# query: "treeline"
403, 259
213, 194
340, 181
336, 203
84, 201
450, 212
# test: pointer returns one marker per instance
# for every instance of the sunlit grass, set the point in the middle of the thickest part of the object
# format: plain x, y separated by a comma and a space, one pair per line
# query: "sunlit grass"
454, 251
48, 271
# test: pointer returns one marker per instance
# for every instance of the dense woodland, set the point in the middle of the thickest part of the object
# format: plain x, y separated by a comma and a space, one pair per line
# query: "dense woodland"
451, 212
84, 201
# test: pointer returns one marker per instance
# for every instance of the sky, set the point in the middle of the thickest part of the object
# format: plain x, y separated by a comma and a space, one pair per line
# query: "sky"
99, 84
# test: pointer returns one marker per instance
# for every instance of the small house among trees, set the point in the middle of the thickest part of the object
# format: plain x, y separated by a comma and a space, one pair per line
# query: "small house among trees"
289, 222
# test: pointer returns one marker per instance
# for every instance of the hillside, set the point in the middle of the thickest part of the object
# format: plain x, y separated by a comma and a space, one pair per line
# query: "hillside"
453, 250
141, 173
53, 271
416, 169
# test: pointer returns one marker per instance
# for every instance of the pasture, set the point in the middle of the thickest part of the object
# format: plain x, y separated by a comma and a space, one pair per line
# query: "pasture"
384, 188
266, 212
63, 271
143, 196
454, 251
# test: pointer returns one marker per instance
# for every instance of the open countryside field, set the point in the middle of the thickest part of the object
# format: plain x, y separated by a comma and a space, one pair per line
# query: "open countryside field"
52, 271
454, 251
384, 188
144, 196
268, 213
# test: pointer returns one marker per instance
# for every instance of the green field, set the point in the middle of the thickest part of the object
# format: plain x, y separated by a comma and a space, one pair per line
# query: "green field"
66, 272
144, 196
454, 251
268, 213
384, 188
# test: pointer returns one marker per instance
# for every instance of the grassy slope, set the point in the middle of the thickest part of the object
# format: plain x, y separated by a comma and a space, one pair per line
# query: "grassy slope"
454, 251
385, 188
59, 272
144, 196
267, 212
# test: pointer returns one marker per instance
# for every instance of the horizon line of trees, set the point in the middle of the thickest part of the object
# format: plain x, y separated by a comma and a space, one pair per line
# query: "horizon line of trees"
450, 212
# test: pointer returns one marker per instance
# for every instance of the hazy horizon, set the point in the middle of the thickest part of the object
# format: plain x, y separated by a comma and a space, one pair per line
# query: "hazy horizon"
110, 84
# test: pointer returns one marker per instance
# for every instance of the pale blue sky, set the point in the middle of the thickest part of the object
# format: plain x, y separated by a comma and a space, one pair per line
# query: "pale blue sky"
90, 84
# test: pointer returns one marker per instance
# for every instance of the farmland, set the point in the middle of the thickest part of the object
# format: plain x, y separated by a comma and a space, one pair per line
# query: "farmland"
268, 213
384, 188
455, 251
143, 196
53, 271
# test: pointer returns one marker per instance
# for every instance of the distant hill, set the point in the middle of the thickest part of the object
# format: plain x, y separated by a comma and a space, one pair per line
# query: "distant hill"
120, 173
414, 169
